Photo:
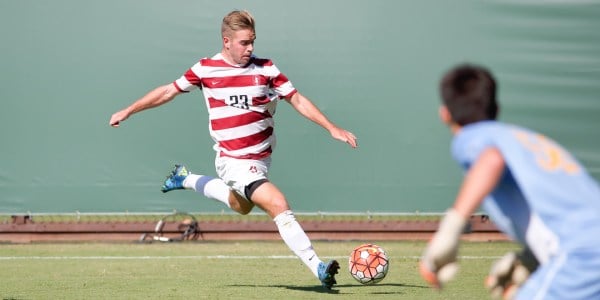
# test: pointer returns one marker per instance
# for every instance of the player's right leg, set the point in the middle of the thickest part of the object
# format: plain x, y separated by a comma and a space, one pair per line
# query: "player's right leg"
327, 271
270, 199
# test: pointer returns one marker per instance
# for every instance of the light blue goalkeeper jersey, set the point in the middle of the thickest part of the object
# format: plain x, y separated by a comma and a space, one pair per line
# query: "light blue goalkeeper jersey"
545, 199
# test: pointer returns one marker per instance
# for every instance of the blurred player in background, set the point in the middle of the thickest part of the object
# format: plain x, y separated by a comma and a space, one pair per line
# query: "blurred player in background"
533, 189
238, 88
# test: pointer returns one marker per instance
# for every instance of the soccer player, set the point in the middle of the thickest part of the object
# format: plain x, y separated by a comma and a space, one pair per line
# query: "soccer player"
533, 189
241, 91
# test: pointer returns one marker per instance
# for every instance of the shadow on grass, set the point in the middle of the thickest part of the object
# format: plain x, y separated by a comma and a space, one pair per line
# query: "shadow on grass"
335, 290
316, 288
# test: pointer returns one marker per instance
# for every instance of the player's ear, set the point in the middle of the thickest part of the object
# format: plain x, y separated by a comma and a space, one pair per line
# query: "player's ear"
444, 114
226, 42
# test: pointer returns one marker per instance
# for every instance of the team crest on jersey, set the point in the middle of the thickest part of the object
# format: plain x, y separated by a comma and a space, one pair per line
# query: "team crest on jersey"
253, 169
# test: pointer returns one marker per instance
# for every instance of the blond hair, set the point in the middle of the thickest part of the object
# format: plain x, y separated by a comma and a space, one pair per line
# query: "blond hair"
237, 20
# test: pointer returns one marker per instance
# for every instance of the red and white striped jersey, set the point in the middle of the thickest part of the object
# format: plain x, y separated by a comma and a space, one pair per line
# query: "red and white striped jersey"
240, 102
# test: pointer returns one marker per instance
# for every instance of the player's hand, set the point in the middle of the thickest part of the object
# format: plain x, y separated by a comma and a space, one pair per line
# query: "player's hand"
118, 117
438, 264
344, 136
509, 273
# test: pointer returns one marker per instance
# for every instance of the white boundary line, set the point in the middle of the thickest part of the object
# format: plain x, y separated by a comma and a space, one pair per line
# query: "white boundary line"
206, 257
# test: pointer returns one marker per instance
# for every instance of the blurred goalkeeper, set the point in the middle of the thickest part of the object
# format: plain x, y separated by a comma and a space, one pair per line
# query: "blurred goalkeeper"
533, 189
241, 92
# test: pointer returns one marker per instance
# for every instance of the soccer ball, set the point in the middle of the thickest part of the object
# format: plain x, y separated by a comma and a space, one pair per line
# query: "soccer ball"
368, 264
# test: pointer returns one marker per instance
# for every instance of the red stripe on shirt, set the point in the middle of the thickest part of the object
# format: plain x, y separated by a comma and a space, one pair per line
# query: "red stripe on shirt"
192, 77
247, 141
208, 62
236, 121
260, 100
214, 103
234, 81
279, 80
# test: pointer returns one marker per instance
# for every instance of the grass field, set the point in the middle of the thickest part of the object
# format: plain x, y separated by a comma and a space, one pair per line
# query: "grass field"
222, 270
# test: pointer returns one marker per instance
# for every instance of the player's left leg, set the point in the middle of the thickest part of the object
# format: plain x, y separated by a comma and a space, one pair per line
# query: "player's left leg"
210, 187
270, 199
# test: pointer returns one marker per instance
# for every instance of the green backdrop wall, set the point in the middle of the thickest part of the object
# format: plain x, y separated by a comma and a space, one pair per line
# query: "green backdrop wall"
371, 66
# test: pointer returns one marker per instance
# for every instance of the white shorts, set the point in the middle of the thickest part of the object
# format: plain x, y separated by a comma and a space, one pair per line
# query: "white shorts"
239, 173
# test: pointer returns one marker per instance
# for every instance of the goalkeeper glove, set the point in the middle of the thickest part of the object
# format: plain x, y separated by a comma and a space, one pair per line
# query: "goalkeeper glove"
438, 264
509, 273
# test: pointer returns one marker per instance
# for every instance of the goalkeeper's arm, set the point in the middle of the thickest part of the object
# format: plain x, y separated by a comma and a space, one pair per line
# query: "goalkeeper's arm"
438, 263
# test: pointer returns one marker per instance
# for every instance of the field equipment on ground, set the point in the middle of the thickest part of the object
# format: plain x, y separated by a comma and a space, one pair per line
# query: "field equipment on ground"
175, 227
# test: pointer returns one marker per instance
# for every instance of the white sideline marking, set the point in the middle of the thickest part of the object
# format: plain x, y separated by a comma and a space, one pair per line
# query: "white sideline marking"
206, 257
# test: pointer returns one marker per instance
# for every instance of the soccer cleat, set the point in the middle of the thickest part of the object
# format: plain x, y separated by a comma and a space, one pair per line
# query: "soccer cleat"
175, 179
327, 273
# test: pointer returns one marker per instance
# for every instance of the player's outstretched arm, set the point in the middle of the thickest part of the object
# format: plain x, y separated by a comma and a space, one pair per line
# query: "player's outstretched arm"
156, 97
438, 264
307, 109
